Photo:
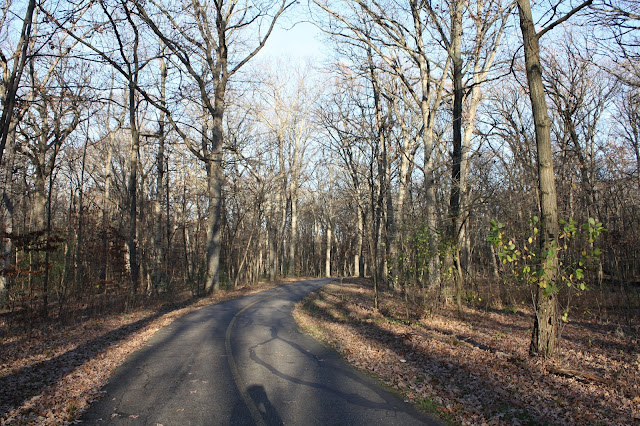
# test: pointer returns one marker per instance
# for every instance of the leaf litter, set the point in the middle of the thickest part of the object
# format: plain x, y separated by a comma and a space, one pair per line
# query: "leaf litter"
477, 370
52, 375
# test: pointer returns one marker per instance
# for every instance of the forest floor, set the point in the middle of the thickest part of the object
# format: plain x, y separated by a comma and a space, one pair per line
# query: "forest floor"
477, 370
51, 374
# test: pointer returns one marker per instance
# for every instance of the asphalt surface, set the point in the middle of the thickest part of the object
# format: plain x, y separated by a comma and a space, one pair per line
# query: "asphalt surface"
244, 362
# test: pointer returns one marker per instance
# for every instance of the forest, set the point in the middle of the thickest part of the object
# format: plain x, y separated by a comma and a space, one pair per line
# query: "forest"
458, 153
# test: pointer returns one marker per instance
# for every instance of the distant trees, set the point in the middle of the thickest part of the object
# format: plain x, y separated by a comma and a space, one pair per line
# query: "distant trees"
148, 149
389, 36
210, 52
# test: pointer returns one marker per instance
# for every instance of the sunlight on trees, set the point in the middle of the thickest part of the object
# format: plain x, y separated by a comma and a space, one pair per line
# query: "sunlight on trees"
146, 151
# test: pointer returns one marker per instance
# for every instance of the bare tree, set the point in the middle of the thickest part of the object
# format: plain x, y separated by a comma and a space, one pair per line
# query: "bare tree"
394, 41
12, 65
53, 115
544, 339
287, 99
207, 41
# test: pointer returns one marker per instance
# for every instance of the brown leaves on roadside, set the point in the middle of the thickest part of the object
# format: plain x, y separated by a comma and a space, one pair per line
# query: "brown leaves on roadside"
53, 375
477, 370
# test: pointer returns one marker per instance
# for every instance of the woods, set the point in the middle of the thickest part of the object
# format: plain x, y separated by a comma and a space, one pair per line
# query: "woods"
459, 152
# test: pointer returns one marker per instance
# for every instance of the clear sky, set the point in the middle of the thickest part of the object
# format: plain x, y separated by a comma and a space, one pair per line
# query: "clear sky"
303, 40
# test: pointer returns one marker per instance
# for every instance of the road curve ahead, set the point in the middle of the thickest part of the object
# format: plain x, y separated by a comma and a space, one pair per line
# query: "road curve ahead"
244, 362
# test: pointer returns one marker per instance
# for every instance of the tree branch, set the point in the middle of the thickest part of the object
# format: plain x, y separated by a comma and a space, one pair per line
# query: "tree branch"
564, 18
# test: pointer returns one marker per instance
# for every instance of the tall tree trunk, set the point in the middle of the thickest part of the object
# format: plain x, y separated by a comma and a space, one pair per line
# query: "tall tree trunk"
106, 212
215, 174
406, 158
458, 97
78, 261
380, 155
391, 226
159, 240
132, 192
544, 339
317, 243
47, 253
433, 271
6, 249
272, 237
293, 235
214, 229
427, 115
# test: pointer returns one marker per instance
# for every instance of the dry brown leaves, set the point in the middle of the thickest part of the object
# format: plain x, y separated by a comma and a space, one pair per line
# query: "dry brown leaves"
477, 370
52, 376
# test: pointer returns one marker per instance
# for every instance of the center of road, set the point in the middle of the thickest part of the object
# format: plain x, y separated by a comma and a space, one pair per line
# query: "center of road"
244, 362
253, 409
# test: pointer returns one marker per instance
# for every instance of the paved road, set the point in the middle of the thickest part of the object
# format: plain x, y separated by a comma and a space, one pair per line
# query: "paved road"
244, 362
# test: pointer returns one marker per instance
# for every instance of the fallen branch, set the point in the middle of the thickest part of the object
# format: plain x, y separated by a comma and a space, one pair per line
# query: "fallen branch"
575, 373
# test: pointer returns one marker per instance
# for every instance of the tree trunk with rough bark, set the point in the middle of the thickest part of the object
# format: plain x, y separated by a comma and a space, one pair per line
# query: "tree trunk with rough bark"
458, 97
132, 192
544, 339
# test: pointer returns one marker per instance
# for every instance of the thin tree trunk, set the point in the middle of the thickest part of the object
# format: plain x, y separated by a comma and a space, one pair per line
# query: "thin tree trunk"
78, 263
243, 261
327, 259
544, 339
7, 225
159, 240
458, 96
428, 115
214, 175
357, 270
293, 234
132, 192
106, 213
317, 243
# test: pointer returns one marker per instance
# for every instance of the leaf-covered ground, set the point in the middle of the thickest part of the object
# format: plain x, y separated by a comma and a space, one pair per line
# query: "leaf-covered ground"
52, 375
477, 370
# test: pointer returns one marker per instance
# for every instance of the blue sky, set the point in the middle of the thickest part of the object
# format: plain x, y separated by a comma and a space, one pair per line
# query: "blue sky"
300, 41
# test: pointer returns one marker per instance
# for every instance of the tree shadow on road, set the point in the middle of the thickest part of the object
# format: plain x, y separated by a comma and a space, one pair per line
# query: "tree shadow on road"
19, 386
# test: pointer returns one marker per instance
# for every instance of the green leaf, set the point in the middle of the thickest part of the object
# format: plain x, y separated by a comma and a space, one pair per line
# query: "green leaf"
579, 274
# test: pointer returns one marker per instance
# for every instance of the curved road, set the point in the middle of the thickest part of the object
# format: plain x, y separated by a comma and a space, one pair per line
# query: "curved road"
244, 362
